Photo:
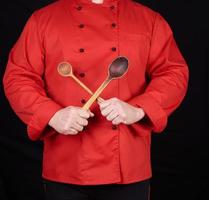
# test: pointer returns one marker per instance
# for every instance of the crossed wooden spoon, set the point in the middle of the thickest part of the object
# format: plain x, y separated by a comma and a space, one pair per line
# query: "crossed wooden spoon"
117, 69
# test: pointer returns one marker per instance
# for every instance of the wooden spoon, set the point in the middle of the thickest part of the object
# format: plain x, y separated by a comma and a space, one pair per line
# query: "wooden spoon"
116, 70
65, 69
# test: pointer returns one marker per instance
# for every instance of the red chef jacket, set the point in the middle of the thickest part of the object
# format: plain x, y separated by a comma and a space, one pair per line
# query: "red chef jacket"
90, 36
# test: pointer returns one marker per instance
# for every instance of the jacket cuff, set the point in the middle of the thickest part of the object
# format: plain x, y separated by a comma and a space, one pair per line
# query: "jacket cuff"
38, 125
157, 117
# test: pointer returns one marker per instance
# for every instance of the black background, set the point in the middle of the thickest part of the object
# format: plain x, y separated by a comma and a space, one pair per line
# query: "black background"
179, 155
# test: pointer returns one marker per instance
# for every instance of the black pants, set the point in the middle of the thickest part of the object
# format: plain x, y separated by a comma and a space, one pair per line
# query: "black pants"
61, 191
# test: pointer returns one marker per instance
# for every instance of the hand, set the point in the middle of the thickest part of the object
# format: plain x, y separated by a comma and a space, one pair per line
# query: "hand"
70, 120
119, 111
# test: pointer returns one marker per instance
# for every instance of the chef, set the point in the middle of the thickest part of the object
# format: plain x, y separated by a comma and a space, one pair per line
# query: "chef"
103, 152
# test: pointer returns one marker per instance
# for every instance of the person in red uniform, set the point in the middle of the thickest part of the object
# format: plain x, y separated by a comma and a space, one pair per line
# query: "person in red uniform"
103, 153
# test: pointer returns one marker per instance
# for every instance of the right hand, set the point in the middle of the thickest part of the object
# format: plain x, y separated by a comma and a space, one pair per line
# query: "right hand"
70, 120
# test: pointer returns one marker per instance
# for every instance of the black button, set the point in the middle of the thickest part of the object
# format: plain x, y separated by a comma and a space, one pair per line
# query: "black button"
82, 74
114, 127
81, 50
113, 25
81, 26
79, 8
114, 49
112, 7
83, 101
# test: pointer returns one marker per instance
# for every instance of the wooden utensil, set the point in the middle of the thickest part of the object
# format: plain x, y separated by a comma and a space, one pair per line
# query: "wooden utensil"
116, 70
65, 69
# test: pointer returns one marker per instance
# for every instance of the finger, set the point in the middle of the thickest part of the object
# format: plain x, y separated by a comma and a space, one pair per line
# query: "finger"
122, 114
84, 114
77, 127
91, 114
82, 122
71, 131
117, 121
112, 116
100, 100
106, 111
104, 104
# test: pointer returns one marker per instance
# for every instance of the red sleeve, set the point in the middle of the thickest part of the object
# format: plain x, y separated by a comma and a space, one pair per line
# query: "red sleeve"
168, 77
23, 82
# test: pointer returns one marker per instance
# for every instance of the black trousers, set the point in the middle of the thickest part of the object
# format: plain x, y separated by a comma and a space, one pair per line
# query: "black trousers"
62, 191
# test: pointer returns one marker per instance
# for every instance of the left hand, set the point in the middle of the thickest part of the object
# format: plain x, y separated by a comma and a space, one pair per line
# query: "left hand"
119, 111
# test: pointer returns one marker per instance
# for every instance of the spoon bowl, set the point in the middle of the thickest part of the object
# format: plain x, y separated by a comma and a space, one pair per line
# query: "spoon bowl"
118, 67
65, 69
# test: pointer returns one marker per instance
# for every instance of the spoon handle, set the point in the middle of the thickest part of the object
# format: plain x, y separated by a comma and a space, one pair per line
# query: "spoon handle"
86, 88
96, 94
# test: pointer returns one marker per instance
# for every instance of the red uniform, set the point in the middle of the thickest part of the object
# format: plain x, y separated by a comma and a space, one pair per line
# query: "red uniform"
90, 36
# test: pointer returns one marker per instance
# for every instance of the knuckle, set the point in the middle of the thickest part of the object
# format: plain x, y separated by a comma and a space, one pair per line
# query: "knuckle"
72, 133
116, 104
123, 115
119, 105
103, 113
65, 127
70, 109
63, 132
79, 128
73, 110
85, 115
109, 119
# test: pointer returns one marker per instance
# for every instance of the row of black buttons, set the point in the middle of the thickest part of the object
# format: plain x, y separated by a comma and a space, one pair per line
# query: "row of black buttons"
80, 8
82, 50
82, 25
